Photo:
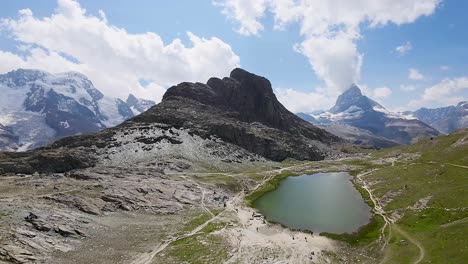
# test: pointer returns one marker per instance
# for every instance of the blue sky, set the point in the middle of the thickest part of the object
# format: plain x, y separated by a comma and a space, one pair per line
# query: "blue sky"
437, 37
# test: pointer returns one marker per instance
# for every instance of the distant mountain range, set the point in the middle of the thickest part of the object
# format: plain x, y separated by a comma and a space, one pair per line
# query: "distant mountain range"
37, 108
363, 121
445, 119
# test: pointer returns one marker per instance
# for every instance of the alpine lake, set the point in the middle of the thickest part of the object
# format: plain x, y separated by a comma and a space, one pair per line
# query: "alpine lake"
322, 202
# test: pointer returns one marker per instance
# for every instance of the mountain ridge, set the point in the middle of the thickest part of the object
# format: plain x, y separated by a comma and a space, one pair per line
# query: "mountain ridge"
445, 119
354, 109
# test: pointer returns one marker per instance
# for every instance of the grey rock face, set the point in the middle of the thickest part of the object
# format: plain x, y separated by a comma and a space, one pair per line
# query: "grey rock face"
139, 105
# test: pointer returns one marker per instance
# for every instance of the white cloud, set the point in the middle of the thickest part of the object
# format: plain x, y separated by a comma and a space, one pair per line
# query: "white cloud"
407, 88
445, 87
415, 74
404, 48
330, 29
111, 57
247, 11
296, 101
446, 92
382, 92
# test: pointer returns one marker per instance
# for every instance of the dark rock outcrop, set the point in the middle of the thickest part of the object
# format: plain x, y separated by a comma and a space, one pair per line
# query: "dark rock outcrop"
242, 110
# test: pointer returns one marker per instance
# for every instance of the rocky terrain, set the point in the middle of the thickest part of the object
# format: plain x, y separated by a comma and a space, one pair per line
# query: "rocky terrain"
61, 201
37, 108
445, 119
138, 105
374, 124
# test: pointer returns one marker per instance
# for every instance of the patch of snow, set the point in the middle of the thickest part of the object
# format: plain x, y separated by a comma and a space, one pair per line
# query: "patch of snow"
353, 112
393, 114
65, 124
109, 108
12, 99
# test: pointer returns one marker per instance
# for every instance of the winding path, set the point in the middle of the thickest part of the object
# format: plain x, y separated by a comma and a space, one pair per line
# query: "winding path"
422, 251
456, 165
388, 222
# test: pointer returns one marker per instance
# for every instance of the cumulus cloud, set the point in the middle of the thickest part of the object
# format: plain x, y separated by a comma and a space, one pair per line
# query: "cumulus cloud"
403, 49
296, 101
114, 59
445, 87
247, 11
407, 88
381, 92
330, 29
446, 92
415, 75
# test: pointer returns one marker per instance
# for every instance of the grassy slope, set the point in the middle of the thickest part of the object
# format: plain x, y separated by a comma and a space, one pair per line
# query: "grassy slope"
427, 174
420, 171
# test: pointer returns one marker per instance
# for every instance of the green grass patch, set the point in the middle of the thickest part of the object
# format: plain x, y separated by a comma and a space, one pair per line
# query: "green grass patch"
198, 249
4, 214
213, 226
196, 221
365, 235
422, 173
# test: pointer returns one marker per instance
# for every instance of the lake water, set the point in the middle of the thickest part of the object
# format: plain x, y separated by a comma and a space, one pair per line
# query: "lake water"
322, 202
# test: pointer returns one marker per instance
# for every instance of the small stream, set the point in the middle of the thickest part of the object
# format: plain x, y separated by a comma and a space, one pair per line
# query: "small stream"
322, 202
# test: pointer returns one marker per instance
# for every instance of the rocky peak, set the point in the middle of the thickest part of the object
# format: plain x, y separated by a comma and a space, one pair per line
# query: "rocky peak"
139, 105
21, 77
241, 109
353, 97
246, 95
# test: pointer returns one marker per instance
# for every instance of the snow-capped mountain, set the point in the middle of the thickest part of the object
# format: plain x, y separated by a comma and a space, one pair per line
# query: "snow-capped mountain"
139, 105
445, 119
37, 107
386, 128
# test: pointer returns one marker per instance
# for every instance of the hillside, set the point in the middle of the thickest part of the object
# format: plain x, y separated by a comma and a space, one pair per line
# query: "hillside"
420, 190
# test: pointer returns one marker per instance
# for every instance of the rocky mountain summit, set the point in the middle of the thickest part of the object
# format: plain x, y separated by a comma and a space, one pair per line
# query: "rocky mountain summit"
445, 119
139, 105
243, 110
371, 123
37, 108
